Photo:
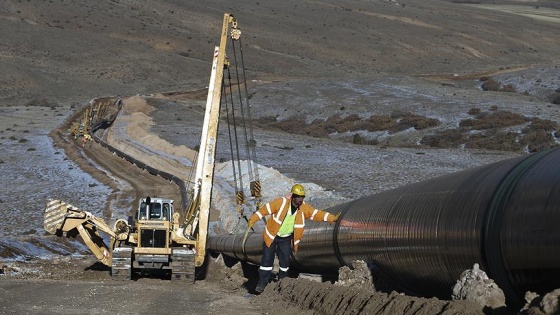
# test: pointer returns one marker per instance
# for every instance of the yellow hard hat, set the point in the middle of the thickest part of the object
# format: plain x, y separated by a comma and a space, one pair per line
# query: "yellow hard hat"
297, 189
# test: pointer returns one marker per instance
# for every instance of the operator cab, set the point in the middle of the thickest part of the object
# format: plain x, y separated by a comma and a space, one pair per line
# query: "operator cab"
155, 209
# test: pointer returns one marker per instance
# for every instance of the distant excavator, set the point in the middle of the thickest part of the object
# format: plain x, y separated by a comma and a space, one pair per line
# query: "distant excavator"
158, 237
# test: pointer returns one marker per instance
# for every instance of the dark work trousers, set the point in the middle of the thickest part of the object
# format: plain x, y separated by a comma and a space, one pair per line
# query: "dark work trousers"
284, 247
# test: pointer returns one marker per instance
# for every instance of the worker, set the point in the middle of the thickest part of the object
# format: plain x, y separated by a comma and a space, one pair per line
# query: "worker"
284, 230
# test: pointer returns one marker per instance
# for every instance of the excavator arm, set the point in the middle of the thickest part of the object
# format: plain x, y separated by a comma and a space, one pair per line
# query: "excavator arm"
61, 217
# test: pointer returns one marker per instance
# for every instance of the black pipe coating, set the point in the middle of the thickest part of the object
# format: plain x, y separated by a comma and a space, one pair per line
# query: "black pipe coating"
504, 216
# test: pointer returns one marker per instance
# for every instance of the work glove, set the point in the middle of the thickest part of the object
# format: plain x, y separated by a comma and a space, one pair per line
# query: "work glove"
337, 216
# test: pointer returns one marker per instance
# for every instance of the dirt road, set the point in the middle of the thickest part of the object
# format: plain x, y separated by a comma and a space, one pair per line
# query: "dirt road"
82, 286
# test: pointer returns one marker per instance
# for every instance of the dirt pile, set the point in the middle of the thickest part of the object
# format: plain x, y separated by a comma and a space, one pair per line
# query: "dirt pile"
359, 276
326, 298
549, 304
474, 285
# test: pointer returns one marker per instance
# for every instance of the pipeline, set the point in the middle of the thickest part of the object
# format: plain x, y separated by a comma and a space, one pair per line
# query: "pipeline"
504, 216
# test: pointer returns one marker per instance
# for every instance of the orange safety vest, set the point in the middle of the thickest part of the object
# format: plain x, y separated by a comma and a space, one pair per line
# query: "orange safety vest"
278, 209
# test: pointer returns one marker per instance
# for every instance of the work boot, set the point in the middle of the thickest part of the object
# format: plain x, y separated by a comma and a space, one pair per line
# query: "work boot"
260, 288
282, 275
264, 276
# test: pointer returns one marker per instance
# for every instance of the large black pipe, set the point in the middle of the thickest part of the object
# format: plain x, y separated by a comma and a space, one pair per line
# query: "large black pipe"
504, 216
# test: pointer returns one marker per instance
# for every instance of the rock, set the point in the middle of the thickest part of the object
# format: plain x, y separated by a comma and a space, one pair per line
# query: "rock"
550, 302
474, 285
358, 277
537, 305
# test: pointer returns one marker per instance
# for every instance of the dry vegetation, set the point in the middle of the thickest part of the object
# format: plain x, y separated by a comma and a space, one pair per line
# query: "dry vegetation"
489, 84
501, 130
493, 129
337, 124
490, 129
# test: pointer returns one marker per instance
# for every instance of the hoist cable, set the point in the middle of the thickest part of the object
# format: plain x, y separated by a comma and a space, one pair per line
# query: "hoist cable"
224, 99
256, 189
252, 141
249, 118
244, 120
235, 140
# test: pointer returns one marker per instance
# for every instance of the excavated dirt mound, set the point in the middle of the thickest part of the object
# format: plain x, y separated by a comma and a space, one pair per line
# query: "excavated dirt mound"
326, 298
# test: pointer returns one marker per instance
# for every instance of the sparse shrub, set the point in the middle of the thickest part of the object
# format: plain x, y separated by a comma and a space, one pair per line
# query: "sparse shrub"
348, 123
22, 140
497, 119
330, 124
317, 129
31, 149
357, 139
537, 140
450, 138
362, 124
493, 108
491, 85
538, 135
474, 111
555, 97
398, 128
286, 148
30, 232
292, 125
41, 102
262, 121
545, 124
379, 122
418, 122
493, 140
